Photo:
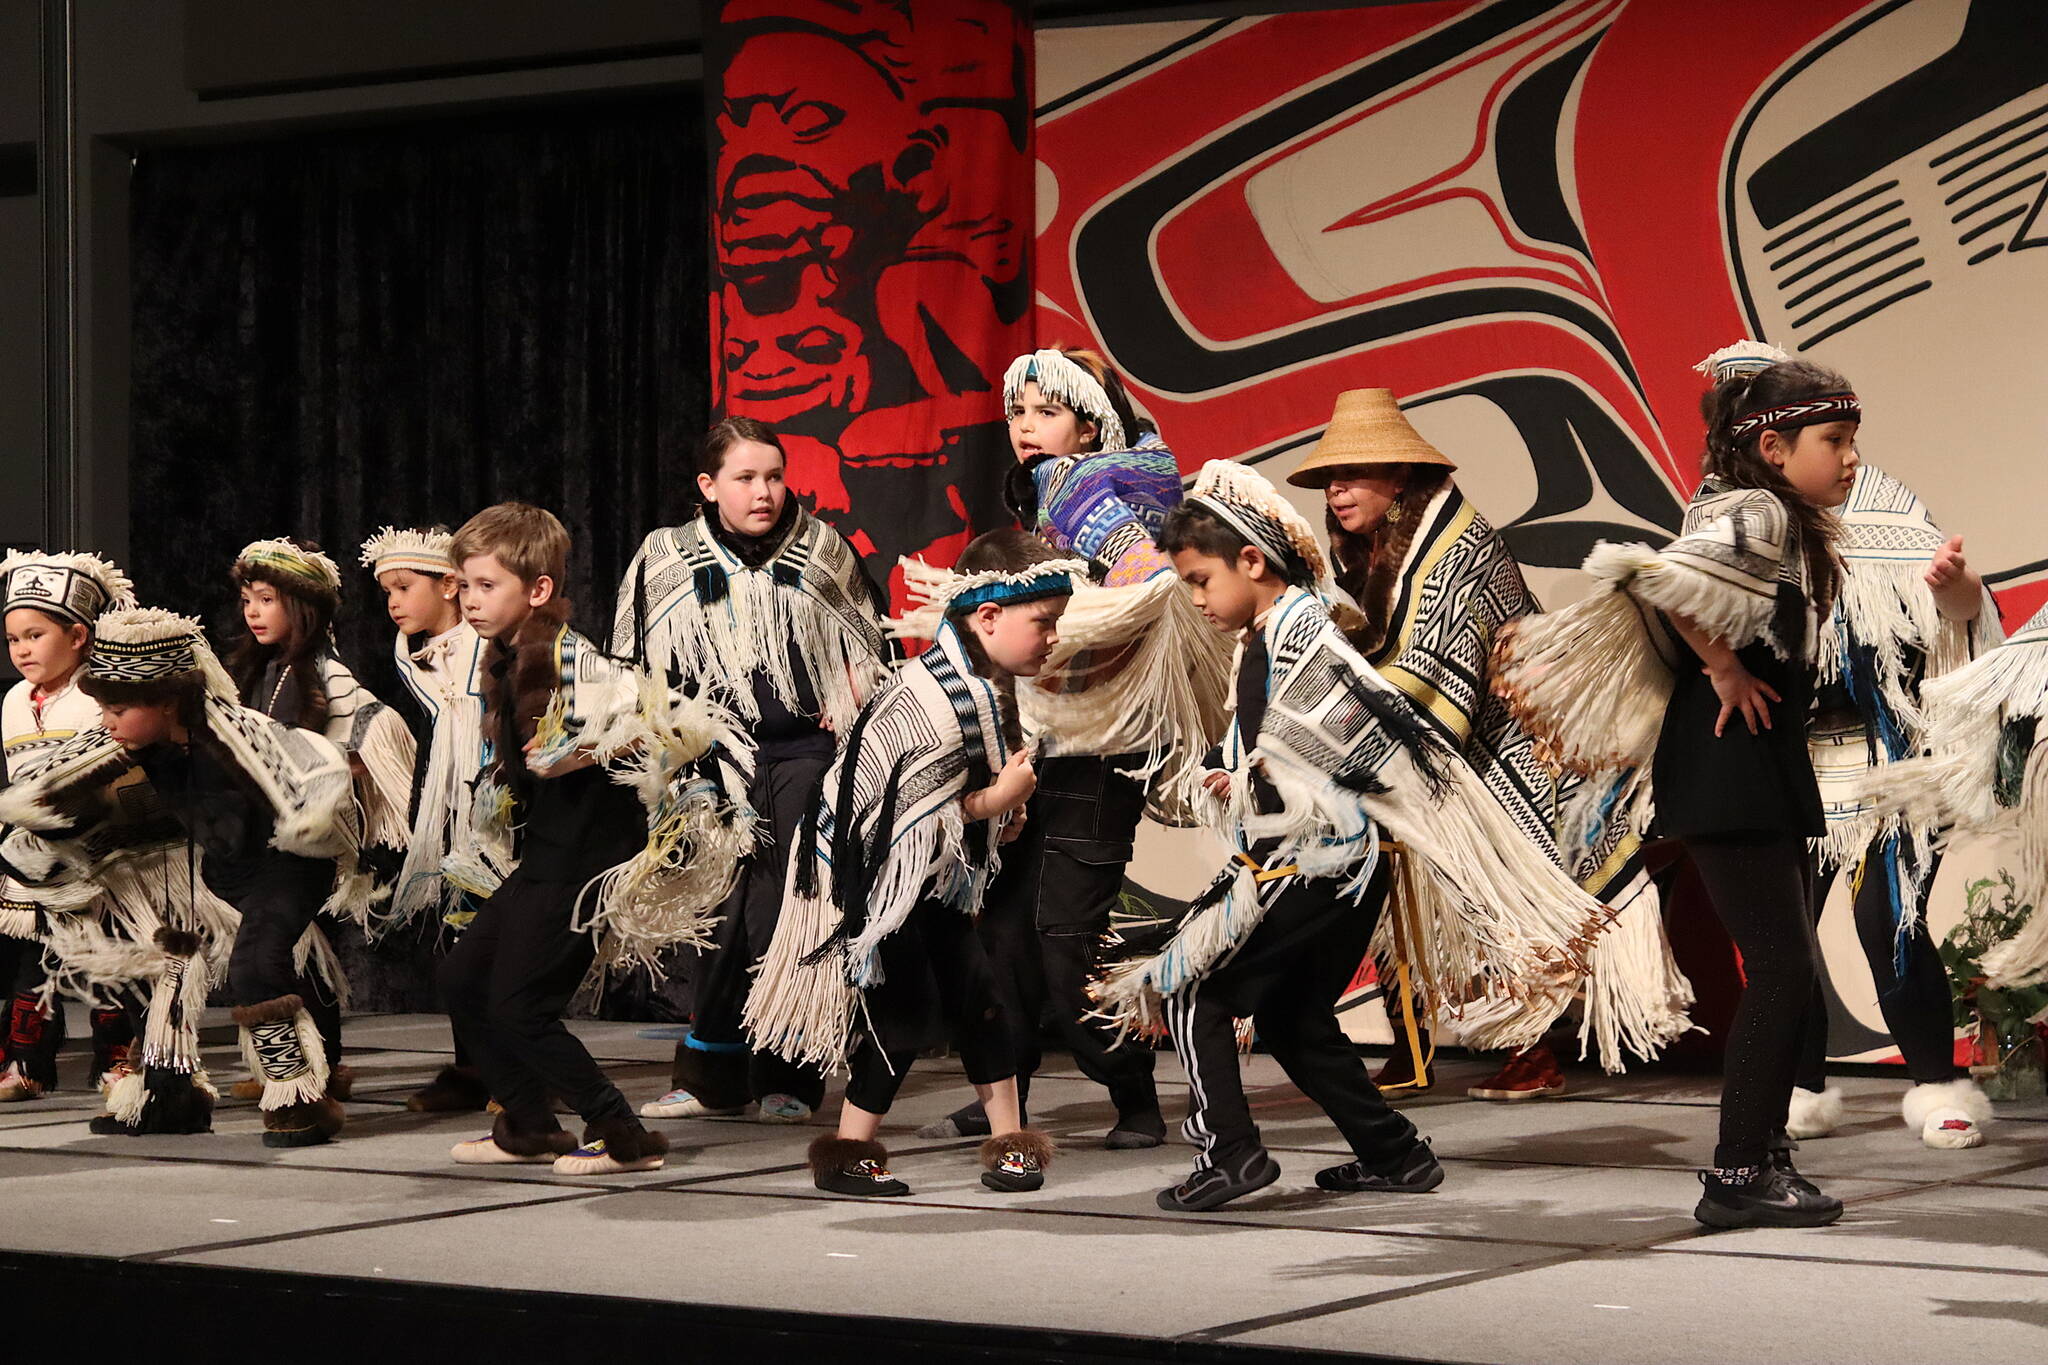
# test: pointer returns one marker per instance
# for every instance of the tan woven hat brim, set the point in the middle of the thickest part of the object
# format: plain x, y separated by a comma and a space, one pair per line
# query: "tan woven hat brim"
1367, 428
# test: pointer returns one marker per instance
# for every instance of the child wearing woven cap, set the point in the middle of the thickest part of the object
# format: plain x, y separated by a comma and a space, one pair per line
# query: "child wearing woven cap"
50, 604
450, 865
1322, 758
875, 956
285, 665
271, 812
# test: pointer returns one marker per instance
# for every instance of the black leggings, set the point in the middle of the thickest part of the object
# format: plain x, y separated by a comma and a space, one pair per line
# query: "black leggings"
1918, 1011
1761, 888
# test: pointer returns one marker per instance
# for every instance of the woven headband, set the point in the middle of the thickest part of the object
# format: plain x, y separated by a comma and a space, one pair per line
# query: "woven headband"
1839, 407
1013, 592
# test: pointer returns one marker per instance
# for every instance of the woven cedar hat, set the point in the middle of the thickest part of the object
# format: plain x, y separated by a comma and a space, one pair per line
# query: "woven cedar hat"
1368, 427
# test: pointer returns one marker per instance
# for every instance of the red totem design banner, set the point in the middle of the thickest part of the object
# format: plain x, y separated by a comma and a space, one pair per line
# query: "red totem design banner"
872, 216
1529, 218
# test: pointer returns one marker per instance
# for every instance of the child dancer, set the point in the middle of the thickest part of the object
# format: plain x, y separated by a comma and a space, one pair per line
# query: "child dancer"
450, 864
50, 604
1321, 756
272, 815
1744, 590
285, 666
876, 956
770, 608
1910, 611
1146, 677
592, 885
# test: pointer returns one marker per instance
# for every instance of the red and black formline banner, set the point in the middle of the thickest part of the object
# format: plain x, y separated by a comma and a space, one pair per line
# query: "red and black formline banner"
872, 218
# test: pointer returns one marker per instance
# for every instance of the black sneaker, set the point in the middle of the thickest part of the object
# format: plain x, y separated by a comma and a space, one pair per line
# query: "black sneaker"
1214, 1186
1771, 1198
866, 1178
1779, 1158
1416, 1173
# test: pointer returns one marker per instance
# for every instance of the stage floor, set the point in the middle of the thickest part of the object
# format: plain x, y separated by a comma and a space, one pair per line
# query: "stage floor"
1563, 1232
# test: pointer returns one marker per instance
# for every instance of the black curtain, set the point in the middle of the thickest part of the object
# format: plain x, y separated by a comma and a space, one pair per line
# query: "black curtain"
404, 325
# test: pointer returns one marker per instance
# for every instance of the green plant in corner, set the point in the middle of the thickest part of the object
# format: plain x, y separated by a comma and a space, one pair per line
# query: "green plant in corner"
2002, 1017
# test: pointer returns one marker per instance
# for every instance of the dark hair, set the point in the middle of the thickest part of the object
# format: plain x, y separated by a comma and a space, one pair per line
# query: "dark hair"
61, 622
1369, 567
309, 614
729, 433
1003, 550
188, 690
1191, 526
1742, 463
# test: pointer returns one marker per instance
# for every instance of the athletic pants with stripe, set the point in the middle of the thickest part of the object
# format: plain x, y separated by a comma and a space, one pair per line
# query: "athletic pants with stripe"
1286, 976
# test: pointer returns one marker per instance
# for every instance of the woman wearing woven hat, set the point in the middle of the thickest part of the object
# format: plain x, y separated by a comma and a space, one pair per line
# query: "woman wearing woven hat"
1433, 583
1135, 688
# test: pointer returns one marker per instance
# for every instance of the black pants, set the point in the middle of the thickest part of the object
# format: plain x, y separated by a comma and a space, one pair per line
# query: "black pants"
276, 905
1286, 977
506, 985
1761, 889
1917, 1008
723, 973
937, 986
1047, 914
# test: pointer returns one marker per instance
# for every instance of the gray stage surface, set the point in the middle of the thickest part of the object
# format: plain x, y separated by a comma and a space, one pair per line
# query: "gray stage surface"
1562, 1234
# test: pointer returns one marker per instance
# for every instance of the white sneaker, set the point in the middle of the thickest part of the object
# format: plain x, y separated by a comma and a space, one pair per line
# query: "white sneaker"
681, 1104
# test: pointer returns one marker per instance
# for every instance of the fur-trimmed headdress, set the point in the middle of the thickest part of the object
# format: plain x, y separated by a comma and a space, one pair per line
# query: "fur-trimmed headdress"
73, 587
422, 551
940, 593
306, 573
1061, 378
1244, 500
1741, 359
148, 645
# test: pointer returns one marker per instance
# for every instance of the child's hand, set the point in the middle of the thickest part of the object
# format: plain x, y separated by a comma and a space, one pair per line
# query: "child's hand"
1013, 826
1217, 784
1017, 781
1742, 694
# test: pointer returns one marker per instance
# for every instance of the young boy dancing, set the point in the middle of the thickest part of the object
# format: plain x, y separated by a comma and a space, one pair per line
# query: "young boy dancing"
556, 712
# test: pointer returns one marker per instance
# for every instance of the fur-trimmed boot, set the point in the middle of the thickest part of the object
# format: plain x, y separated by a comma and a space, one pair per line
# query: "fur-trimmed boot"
454, 1090
33, 1038
157, 1099
853, 1166
282, 1046
615, 1147
507, 1146
1814, 1113
1016, 1162
1947, 1114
